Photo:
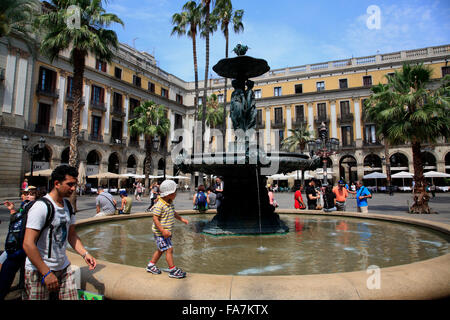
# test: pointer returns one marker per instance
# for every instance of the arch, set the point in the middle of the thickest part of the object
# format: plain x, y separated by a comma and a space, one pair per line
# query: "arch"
132, 162
346, 163
44, 155
399, 162
428, 161
447, 162
372, 162
113, 163
65, 155
93, 158
161, 164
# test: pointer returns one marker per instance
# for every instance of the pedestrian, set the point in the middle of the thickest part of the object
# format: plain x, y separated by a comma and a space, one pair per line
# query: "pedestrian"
139, 190
329, 199
127, 203
13, 258
341, 194
298, 199
24, 184
211, 198
218, 190
47, 268
272, 200
353, 189
200, 200
164, 216
311, 195
362, 194
105, 203
154, 194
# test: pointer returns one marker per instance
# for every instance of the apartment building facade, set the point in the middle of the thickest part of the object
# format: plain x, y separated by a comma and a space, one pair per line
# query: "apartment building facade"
36, 100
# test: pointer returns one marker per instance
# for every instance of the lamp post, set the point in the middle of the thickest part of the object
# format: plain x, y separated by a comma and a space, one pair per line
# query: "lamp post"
324, 147
31, 150
156, 145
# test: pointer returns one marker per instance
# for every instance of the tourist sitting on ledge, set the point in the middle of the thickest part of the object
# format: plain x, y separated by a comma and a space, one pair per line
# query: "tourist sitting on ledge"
127, 202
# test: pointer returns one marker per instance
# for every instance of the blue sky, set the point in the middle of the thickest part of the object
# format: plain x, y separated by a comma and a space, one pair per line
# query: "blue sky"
287, 33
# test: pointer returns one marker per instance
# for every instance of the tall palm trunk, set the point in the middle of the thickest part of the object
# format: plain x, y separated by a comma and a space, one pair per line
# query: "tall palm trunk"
148, 156
224, 122
420, 195
78, 74
388, 166
194, 49
205, 88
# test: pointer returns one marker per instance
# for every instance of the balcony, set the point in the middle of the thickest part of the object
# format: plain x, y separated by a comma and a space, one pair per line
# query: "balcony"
349, 146
70, 99
369, 144
118, 112
346, 118
97, 105
96, 137
278, 124
68, 133
300, 122
118, 141
321, 118
44, 129
260, 125
44, 92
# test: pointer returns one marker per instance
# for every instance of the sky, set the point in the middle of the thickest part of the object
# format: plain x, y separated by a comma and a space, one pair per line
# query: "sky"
287, 33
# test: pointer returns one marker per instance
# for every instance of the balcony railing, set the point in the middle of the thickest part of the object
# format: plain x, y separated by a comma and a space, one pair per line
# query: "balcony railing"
370, 144
43, 128
51, 93
118, 141
301, 122
97, 105
346, 117
349, 145
278, 124
96, 137
322, 118
260, 125
118, 111
70, 99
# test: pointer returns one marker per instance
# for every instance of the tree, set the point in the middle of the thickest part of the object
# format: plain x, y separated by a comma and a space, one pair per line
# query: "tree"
382, 98
298, 140
17, 16
224, 13
90, 36
151, 120
214, 112
188, 22
417, 115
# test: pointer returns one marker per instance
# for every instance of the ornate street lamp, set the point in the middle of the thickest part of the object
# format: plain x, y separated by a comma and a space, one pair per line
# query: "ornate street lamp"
31, 150
323, 147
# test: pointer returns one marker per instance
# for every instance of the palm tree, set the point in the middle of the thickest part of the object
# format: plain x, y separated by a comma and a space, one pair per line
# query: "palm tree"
298, 140
188, 22
417, 115
214, 112
382, 98
224, 13
89, 37
151, 120
18, 16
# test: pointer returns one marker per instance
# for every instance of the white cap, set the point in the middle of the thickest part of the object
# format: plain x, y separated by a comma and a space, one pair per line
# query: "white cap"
167, 187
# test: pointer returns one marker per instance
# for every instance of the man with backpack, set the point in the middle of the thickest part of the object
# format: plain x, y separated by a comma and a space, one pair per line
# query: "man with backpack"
50, 226
362, 194
200, 201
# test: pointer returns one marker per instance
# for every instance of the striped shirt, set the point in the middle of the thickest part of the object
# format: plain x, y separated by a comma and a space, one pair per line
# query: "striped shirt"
166, 214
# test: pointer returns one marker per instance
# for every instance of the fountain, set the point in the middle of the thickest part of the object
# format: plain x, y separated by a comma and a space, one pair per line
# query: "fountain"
245, 208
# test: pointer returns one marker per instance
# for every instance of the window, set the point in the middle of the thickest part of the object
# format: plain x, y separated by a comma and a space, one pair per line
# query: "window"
345, 107
43, 117
47, 80
278, 115
347, 135
369, 134
151, 87
258, 94
322, 111
445, 71
69, 120
95, 128
116, 131
136, 80
164, 92
178, 121
343, 84
220, 98
200, 100
179, 98
117, 101
118, 73
98, 94
367, 81
133, 105
69, 86
277, 91
100, 65
299, 114
259, 118
298, 88
320, 85
280, 137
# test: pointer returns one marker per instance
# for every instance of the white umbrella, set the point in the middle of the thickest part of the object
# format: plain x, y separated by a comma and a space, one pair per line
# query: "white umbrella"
402, 175
375, 175
41, 173
299, 174
435, 174
181, 178
82, 174
105, 175
278, 177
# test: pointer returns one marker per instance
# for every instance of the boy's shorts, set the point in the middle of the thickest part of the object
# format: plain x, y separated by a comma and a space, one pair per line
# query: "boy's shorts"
162, 243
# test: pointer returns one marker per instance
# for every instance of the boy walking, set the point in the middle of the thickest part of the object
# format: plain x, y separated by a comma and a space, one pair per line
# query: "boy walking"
164, 216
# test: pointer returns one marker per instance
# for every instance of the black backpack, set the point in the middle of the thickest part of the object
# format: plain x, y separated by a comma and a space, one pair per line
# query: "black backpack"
18, 223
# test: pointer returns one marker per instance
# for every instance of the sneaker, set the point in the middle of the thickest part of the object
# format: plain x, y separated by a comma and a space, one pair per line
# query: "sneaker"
177, 273
153, 269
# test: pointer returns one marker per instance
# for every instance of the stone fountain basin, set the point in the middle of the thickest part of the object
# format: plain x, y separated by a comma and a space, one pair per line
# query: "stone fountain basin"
428, 279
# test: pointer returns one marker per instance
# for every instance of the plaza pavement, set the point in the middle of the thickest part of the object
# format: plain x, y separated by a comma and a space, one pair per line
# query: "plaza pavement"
381, 203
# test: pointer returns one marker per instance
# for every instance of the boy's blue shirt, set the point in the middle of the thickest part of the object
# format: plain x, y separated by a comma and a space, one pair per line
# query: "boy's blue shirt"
363, 191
